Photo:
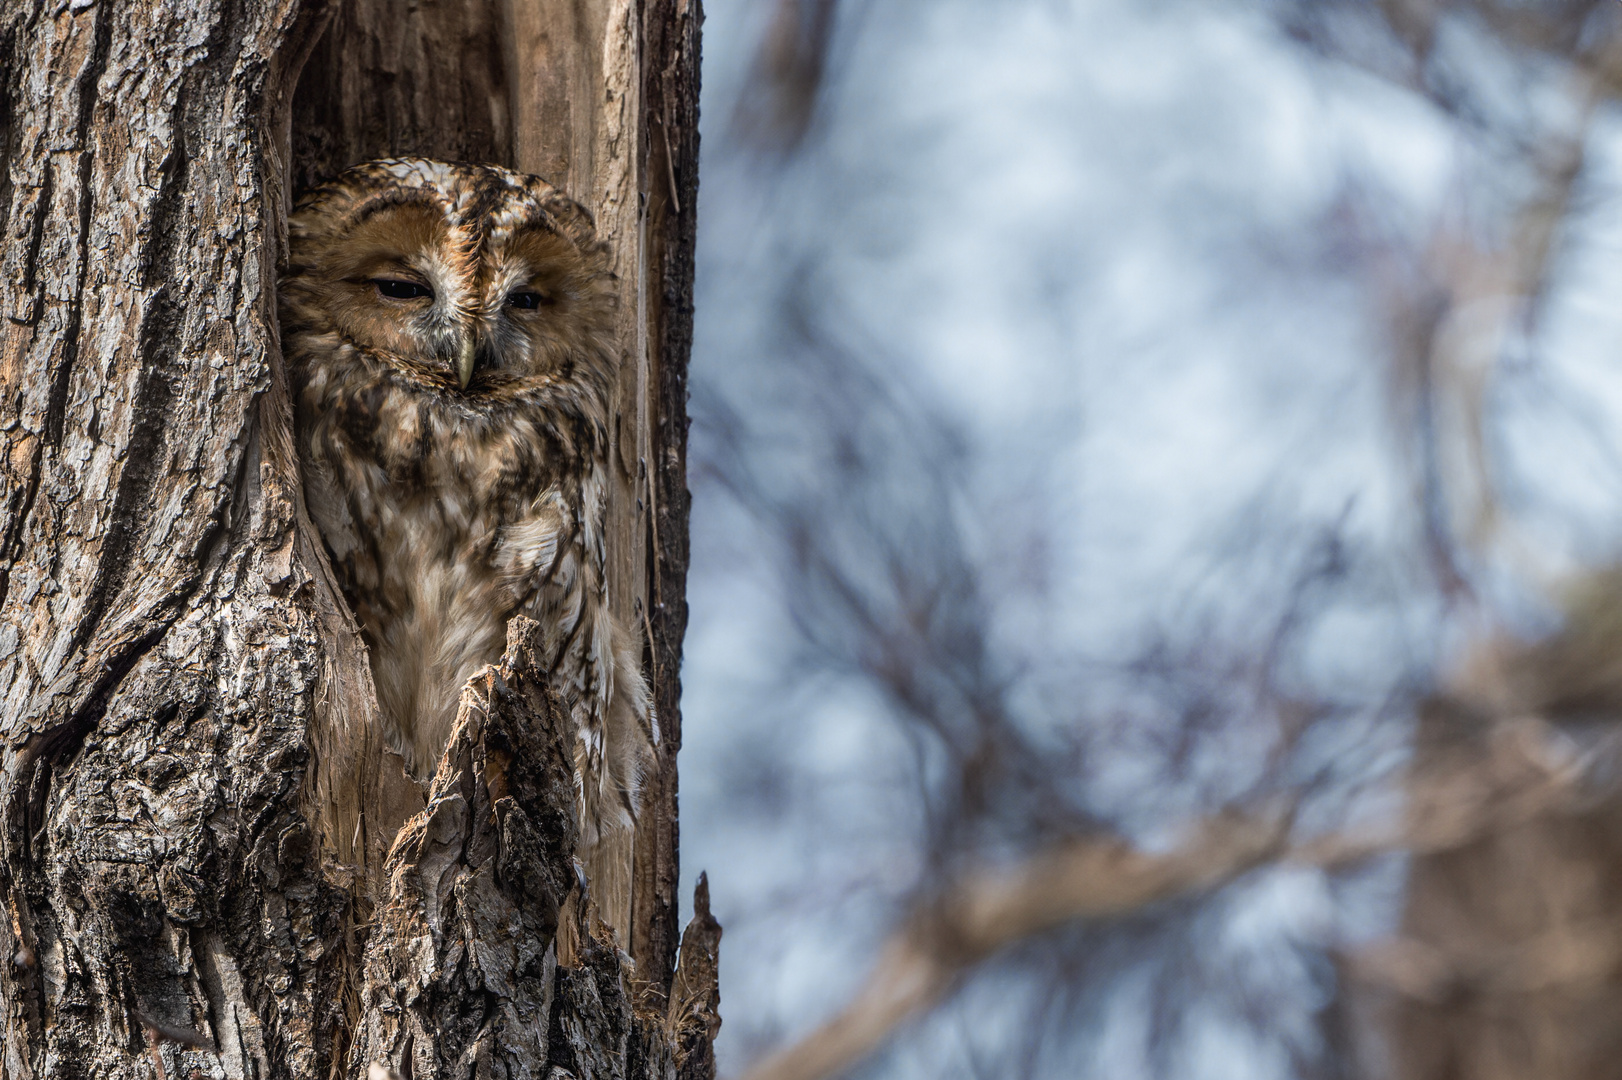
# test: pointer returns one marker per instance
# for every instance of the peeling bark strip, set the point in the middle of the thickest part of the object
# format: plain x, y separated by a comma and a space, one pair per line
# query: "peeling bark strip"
194, 808
670, 71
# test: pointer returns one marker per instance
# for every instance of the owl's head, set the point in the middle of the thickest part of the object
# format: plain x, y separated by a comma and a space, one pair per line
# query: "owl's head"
468, 279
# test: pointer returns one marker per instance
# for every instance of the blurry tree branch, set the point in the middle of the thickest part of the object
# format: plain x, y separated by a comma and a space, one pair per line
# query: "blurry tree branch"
993, 909
1456, 306
788, 74
1520, 771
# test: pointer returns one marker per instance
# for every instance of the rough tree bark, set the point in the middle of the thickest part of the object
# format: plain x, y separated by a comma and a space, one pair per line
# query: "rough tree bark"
209, 863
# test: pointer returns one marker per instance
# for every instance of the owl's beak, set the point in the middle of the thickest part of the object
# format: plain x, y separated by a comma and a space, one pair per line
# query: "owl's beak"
464, 362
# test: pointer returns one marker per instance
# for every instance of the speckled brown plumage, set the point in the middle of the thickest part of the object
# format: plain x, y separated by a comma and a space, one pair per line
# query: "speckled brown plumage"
449, 330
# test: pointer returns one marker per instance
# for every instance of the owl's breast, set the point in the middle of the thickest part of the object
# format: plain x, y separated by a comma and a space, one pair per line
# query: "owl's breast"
425, 441
414, 498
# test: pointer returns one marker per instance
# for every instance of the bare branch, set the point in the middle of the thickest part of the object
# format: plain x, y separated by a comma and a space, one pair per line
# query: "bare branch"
1521, 771
989, 910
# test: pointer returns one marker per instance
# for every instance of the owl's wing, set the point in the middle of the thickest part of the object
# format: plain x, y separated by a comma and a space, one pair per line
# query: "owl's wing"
552, 565
528, 555
330, 511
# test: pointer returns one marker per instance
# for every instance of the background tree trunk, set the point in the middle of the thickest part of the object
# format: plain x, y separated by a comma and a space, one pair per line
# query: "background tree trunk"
196, 811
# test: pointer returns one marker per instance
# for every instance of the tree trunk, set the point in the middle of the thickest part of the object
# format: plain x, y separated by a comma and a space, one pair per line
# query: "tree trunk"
1508, 964
208, 859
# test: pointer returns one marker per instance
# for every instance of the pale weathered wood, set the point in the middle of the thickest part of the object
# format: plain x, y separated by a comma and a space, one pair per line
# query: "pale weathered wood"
195, 809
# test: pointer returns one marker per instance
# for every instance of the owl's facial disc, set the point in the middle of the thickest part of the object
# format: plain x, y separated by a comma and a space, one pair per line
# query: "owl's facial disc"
402, 283
457, 302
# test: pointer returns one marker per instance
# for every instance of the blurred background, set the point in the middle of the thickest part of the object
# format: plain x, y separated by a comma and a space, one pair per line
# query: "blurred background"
1156, 474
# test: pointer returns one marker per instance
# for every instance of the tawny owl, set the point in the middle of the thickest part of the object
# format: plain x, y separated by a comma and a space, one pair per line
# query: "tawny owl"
449, 330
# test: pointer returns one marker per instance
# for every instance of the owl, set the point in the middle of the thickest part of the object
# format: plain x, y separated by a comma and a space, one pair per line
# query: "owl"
449, 330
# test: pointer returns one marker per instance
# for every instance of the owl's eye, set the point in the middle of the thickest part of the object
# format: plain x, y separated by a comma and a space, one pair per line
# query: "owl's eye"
526, 299
395, 289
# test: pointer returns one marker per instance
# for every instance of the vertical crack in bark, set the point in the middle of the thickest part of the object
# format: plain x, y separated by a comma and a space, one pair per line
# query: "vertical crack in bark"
167, 226
8, 135
26, 312
57, 401
89, 93
143, 464
22, 496
18, 523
